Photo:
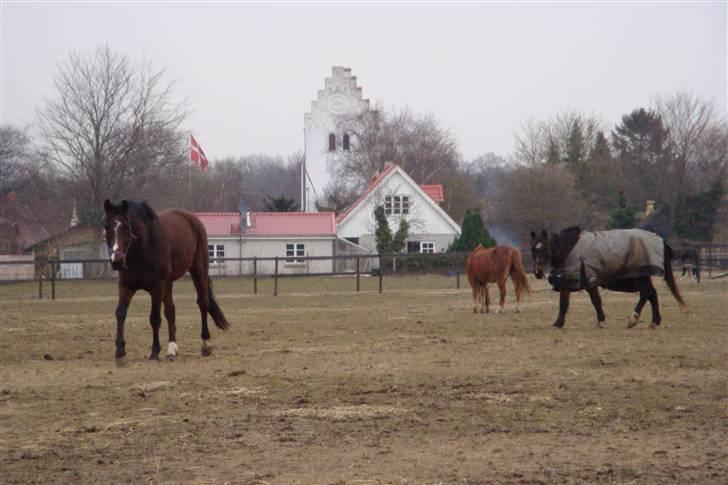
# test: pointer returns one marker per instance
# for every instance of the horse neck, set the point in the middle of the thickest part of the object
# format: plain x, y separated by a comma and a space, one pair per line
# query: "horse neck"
143, 250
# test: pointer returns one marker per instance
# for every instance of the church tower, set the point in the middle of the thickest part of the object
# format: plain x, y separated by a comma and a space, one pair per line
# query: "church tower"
325, 142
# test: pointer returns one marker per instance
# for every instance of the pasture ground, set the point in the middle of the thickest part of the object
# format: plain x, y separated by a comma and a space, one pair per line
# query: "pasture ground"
324, 385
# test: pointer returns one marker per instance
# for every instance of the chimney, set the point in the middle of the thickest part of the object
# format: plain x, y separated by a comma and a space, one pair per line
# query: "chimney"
244, 211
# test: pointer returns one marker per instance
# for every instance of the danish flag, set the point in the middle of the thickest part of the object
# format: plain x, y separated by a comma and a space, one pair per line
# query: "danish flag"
197, 155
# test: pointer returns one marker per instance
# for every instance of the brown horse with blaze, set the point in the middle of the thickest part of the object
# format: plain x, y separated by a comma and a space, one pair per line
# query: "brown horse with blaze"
495, 265
150, 252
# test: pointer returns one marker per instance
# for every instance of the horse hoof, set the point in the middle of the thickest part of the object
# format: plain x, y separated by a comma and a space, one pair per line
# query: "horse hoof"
171, 357
558, 326
121, 361
206, 351
600, 324
653, 325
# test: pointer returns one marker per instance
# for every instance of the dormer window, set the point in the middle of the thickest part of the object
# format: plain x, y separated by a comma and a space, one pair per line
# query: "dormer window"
332, 142
345, 141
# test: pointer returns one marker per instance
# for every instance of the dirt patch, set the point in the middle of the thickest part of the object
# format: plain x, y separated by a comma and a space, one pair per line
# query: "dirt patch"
342, 387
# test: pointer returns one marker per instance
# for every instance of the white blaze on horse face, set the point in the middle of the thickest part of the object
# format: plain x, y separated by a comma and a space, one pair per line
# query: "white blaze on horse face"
538, 246
115, 247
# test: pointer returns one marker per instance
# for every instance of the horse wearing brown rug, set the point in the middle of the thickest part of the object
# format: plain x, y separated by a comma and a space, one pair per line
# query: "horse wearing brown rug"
150, 252
495, 265
619, 260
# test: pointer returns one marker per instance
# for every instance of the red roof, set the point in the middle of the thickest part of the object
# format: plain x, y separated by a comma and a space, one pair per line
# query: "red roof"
270, 224
291, 224
220, 223
435, 192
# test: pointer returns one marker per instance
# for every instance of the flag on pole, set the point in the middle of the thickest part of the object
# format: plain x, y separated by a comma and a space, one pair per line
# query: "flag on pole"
197, 155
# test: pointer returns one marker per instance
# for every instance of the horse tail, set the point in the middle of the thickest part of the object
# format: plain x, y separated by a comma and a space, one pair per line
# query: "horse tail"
670, 278
214, 309
518, 272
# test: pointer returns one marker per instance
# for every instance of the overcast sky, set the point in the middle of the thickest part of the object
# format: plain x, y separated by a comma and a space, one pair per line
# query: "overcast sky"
250, 71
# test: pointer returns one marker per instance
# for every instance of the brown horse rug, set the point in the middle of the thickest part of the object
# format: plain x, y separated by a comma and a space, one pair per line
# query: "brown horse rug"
603, 257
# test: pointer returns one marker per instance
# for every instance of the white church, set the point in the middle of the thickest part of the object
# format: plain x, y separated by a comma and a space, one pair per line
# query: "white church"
431, 229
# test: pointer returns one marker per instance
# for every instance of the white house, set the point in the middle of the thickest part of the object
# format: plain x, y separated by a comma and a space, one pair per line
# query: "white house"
431, 229
325, 142
288, 235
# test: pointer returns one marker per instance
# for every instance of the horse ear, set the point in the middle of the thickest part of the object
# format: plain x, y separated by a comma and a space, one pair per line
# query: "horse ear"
124, 206
544, 234
533, 235
108, 205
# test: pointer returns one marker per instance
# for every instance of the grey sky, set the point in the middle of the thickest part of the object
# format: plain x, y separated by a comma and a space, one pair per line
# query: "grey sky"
250, 71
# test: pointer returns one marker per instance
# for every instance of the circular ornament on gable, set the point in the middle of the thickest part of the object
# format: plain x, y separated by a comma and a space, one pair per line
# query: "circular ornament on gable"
338, 103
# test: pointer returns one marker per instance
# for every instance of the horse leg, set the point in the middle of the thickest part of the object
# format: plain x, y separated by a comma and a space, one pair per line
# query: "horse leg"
476, 295
125, 296
644, 296
155, 320
169, 315
502, 291
656, 317
519, 290
563, 308
203, 301
597, 302
487, 299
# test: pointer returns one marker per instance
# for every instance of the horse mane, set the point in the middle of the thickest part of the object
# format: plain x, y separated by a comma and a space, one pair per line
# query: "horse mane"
562, 245
143, 214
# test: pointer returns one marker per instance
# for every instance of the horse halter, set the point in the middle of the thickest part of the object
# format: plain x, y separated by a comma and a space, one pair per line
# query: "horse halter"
540, 256
112, 251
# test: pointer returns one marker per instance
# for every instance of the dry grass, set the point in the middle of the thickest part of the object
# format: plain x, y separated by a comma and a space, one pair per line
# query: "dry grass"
324, 385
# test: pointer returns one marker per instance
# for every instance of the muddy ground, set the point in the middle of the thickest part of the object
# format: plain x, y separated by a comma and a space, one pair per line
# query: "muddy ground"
324, 385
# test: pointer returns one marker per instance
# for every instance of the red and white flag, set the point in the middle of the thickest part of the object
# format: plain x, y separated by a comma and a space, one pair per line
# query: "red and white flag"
197, 155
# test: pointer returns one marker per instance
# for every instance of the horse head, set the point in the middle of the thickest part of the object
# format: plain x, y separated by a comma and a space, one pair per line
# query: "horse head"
118, 233
540, 253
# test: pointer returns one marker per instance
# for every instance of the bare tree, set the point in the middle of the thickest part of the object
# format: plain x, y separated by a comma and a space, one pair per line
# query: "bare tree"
694, 127
417, 143
112, 127
14, 158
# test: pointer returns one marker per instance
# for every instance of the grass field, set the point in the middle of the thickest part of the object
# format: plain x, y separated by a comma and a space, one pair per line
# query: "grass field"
324, 385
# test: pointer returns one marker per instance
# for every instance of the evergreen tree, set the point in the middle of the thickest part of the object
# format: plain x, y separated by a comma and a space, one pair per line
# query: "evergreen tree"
624, 216
382, 234
575, 148
552, 154
279, 204
400, 237
695, 214
473, 233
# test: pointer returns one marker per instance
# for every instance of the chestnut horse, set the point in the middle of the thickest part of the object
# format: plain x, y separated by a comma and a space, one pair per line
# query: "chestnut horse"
150, 252
494, 265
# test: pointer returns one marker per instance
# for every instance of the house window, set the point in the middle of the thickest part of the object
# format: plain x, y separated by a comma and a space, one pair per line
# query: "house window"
345, 141
396, 204
216, 251
427, 247
332, 142
293, 252
421, 247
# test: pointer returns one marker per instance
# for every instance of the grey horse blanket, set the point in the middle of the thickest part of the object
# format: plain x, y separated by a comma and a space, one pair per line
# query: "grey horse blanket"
603, 257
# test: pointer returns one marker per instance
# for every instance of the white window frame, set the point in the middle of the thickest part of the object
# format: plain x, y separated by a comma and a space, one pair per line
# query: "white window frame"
295, 251
215, 251
430, 249
396, 204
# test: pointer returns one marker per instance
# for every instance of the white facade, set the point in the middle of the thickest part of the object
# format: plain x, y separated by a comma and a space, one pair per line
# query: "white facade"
429, 224
269, 247
340, 96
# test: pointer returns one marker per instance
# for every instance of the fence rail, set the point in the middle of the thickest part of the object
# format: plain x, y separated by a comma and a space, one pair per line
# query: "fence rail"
713, 257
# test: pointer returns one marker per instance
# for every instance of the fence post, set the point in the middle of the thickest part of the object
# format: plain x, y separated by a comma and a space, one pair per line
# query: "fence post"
357, 273
255, 275
40, 283
53, 279
697, 263
457, 277
381, 272
275, 279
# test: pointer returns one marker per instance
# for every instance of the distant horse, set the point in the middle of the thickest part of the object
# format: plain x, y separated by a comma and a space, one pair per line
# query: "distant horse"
619, 260
150, 252
494, 265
